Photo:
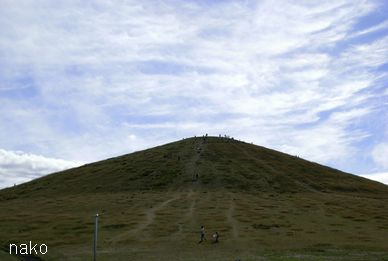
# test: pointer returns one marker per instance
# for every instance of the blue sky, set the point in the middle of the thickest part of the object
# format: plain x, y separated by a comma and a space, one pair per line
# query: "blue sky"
81, 81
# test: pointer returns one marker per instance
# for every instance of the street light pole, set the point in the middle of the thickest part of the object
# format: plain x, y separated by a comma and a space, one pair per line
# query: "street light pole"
95, 238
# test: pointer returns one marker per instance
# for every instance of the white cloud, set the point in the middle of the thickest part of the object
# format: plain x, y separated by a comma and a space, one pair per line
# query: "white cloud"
109, 78
380, 177
380, 154
381, 26
369, 55
17, 167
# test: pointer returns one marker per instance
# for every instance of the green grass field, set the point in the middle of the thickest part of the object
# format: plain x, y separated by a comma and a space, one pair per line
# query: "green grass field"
264, 204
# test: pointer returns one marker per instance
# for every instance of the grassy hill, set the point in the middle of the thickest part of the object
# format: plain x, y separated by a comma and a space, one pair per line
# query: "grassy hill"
266, 205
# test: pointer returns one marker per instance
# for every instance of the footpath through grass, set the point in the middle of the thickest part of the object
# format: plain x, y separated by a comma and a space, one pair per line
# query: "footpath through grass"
151, 225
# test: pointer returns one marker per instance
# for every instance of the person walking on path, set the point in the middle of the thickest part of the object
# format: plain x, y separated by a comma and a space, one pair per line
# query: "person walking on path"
216, 236
202, 235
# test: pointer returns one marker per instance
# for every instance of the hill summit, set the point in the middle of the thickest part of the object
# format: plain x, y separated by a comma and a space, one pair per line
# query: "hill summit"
264, 204
202, 163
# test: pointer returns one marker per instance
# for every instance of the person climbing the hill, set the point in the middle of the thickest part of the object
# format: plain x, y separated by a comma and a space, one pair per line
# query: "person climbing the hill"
215, 237
202, 235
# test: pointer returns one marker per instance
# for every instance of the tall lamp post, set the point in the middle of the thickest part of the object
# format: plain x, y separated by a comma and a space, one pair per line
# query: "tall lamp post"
95, 238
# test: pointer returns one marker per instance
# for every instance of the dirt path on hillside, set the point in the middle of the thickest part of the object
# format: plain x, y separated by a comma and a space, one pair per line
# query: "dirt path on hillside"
150, 215
188, 217
193, 201
191, 168
233, 223
149, 219
189, 213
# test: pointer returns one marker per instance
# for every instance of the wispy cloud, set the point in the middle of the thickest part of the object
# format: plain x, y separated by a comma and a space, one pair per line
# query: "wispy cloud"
379, 154
84, 81
18, 167
380, 26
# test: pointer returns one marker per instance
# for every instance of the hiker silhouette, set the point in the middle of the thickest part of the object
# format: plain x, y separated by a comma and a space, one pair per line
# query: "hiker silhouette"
203, 238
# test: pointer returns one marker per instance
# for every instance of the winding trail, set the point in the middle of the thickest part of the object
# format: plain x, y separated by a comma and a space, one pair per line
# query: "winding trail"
187, 218
149, 219
190, 212
231, 220
150, 215
191, 168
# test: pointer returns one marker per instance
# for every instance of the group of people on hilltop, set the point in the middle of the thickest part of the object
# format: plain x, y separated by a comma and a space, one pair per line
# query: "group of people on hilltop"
204, 137
203, 236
